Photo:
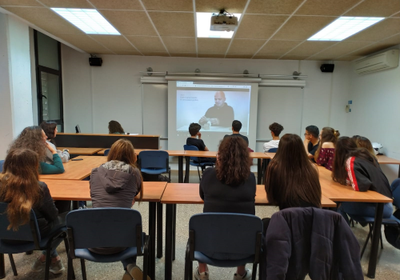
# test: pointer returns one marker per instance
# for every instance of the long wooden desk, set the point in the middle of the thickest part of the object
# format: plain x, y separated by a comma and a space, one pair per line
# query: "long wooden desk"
152, 193
387, 160
77, 170
188, 193
80, 151
340, 193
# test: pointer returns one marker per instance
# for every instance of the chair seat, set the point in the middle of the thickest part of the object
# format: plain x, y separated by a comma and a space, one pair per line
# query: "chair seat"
154, 170
222, 263
88, 255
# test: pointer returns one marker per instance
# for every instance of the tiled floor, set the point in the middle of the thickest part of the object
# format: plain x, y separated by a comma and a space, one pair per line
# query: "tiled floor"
388, 263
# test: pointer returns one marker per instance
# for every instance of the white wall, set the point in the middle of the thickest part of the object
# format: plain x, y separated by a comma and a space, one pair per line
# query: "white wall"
113, 91
375, 112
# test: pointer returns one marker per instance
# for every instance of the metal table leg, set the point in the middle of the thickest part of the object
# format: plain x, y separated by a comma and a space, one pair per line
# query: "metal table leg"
2, 269
168, 241
159, 229
180, 169
152, 233
375, 241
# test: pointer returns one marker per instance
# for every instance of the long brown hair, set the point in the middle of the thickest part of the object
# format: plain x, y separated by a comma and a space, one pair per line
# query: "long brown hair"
328, 134
115, 127
363, 142
122, 150
49, 128
31, 138
232, 166
291, 180
346, 147
19, 185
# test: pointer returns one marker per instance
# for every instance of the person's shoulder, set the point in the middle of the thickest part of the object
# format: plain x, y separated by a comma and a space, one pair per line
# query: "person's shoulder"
328, 145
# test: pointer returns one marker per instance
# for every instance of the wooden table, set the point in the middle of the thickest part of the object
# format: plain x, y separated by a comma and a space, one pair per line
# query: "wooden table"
152, 193
188, 193
76, 170
340, 193
80, 151
387, 160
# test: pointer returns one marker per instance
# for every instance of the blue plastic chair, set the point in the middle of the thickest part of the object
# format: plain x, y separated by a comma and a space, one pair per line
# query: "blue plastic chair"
266, 162
106, 152
196, 161
1, 165
154, 162
392, 221
106, 227
29, 237
224, 240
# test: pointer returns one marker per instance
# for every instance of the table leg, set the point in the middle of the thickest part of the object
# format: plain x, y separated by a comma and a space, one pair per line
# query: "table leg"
174, 232
187, 170
159, 229
180, 169
168, 241
2, 269
152, 233
375, 241
259, 170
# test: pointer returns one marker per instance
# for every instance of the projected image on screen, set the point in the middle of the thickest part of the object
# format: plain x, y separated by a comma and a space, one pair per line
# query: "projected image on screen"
214, 106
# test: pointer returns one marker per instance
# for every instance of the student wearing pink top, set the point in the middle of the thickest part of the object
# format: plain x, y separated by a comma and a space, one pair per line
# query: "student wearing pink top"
326, 150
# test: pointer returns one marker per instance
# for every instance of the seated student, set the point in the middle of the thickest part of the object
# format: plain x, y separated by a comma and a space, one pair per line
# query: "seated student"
326, 149
236, 126
363, 142
229, 187
34, 138
115, 184
357, 167
50, 129
195, 140
21, 188
275, 129
311, 140
115, 127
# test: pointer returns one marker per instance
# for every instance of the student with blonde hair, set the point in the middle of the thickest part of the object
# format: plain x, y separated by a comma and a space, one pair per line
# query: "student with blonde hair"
326, 149
363, 142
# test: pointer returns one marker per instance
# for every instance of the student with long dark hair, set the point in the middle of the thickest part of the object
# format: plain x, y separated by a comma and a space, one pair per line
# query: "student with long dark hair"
34, 138
326, 149
357, 167
291, 179
229, 187
50, 129
115, 127
115, 184
21, 188
363, 142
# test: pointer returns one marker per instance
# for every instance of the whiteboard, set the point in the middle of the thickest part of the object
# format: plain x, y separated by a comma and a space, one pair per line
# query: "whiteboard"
283, 105
155, 111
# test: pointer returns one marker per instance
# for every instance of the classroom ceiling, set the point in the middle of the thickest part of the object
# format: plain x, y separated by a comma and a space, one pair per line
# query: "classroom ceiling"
268, 29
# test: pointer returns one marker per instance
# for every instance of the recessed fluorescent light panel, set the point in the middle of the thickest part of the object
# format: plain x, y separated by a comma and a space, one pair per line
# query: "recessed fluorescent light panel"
344, 27
203, 27
89, 21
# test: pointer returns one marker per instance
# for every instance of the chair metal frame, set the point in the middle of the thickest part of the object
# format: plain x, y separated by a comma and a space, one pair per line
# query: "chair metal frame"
30, 237
106, 227
224, 240
195, 161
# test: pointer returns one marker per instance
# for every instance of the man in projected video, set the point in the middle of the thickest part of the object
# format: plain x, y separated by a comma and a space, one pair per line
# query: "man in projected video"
221, 114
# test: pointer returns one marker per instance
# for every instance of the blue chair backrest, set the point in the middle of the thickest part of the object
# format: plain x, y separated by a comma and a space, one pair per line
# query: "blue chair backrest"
106, 152
1, 165
225, 233
24, 232
273, 150
104, 227
153, 159
396, 192
191, 148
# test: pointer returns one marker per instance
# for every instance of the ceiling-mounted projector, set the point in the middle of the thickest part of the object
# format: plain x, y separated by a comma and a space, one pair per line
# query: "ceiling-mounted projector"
223, 22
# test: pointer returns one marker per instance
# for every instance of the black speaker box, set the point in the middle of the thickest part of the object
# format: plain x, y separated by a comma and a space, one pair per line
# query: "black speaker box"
95, 61
327, 68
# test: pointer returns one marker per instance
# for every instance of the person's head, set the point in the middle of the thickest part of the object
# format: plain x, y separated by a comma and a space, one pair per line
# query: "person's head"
232, 165
346, 147
219, 98
236, 125
194, 128
122, 150
328, 134
363, 142
276, 129
312, 132
291, 179
33, 138
50, 129
115, 127
19, 185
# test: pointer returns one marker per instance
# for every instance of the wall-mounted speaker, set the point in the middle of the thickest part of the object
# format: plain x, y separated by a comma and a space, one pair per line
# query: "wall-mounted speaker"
95, 61
327, 68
